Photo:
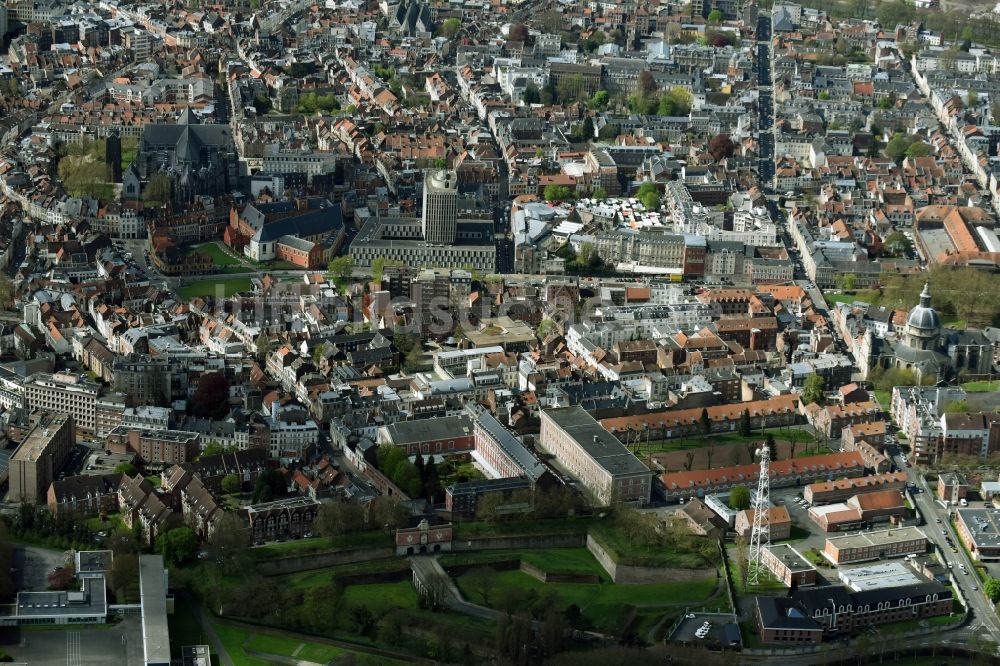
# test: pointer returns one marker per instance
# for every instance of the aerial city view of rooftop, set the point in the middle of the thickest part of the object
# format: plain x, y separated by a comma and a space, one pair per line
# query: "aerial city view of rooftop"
511, 332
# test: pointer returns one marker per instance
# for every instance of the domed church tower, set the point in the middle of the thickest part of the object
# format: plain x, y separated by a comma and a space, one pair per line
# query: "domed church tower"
923, 325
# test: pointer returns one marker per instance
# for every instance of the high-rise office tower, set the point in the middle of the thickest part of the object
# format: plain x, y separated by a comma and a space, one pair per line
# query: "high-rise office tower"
440, 207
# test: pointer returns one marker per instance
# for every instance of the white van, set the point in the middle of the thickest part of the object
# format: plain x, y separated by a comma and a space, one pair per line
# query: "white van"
962, 502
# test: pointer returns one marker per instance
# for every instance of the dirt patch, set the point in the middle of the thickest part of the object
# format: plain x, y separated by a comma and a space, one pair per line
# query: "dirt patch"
724, 455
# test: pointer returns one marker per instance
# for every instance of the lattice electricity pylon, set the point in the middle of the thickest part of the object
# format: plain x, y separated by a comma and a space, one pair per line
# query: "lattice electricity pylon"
760, 535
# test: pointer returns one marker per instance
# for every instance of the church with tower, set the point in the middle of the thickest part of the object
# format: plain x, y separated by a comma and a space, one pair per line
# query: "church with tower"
198, 158
928, 348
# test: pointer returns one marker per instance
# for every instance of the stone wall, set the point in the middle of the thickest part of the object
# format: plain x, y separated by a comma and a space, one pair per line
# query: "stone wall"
533, 541
321, 560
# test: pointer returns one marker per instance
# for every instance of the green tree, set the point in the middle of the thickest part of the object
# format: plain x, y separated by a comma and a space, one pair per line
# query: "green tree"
231, 484
599, 100
715, 16
992, 589
178, 546
896, 244
812, 389
450, 28
897, 147
704, 423
957, 407
599, 193
739, 498
557, 192
158, 189
745, 430
342, 266
918, 149
532, 95
379, 264
972, 98
846, 281
651, 201
126, 468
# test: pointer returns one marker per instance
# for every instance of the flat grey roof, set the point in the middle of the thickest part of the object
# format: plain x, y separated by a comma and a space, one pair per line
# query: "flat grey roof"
425, 430
94, 561
91, 600
790, 557
880, 538
983, 525
603, 447
153, 595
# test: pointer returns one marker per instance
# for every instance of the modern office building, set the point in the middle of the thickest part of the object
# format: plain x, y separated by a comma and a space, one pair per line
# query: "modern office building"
62, 392
440, 207
37, 460
980, 532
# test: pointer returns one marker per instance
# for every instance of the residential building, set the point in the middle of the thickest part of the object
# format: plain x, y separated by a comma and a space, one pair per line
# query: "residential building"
778, 520
281, 519
979, 530
39, 458
828, 492
155, 446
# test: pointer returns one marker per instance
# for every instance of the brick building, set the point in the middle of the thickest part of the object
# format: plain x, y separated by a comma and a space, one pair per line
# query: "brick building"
155, 446
788, 565
282, 519
424, 538
442, 436
864, 546
84, 495
779, 521
840, 490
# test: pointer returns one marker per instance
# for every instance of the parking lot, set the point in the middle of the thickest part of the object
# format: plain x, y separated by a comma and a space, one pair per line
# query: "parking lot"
689, 628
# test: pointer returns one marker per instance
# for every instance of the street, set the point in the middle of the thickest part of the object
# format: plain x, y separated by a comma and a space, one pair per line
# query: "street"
984, 616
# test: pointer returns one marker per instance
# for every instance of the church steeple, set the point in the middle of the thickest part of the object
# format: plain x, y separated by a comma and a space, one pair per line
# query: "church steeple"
925, 296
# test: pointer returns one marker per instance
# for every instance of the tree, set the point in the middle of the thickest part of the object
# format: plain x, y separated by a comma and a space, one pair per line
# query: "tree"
599, 100
721, 146
450, 28
211, 398
972, 98
340, 518
704, 423
896, 244
553, 631
992, 589
228, 545
897, 146
918, 149
647, 84
557, 192
178, 546
482, 581
812, 389
532, 95
599, 193
124, 572
745, 428
715, 16
158, 189
126, 468
651, 200
769, 443
846, 281
363, 619
388, 512
261, 103
263, 345
231, 484
957, 407
518, 33
61, 578
342, 267
739, 498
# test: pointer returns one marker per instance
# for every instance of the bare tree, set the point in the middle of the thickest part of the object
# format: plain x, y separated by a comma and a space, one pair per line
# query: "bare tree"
688, 461
709, 454
483, 581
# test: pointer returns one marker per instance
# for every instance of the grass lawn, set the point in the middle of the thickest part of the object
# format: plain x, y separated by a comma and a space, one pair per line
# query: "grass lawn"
601, 604
681, 554
884, 398
232, 639
982, 387
209, 288
780, 435
481, 528
767, 584
219, 257
954, 321
307, 579
555, 560
381, 597
184, 627
372, 539
911, 625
